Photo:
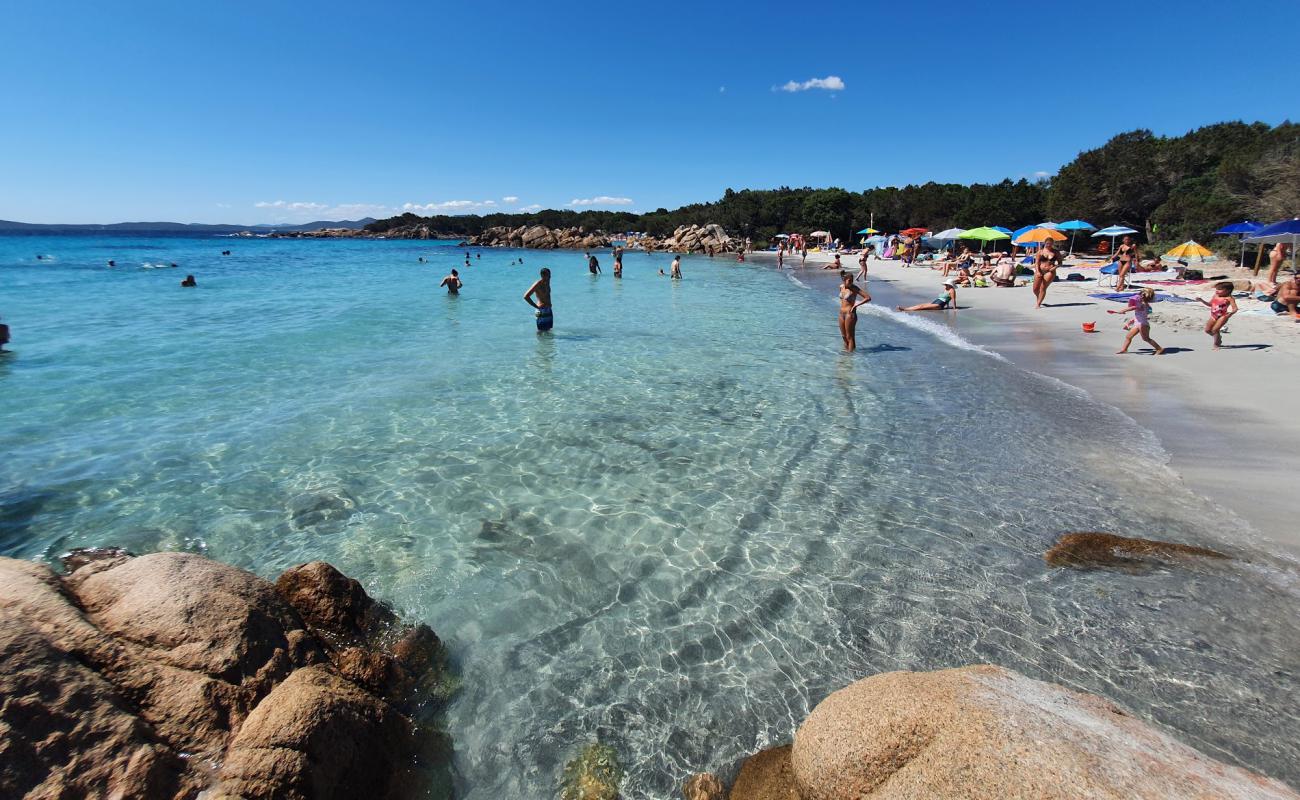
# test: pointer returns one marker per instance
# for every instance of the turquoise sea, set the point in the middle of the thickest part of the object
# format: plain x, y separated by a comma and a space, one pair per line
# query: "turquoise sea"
674, 524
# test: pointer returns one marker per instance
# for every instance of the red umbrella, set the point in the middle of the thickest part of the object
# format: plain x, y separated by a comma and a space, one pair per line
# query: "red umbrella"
914, 231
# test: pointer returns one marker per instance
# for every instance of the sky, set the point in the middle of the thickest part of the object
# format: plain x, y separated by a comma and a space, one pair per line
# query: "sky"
274, 112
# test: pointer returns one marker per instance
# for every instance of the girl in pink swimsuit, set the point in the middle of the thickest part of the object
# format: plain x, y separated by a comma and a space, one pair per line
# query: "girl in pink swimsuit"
1222, 306
1140, 305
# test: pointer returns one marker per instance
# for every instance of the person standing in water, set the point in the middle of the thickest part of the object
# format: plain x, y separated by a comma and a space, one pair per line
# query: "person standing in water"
593, 265
676, 271
1046, 261
850, 298
189, 282
541, 290
4, 337
618, 262
452, 282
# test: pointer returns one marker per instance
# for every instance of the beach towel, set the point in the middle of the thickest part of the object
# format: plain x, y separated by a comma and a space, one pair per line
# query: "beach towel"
1124, 297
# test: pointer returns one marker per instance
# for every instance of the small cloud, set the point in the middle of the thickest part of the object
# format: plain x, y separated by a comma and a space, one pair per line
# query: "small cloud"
533, 207
602, 200
831, 83
448, 207
722, 89
287, 206
511, 200
1041, 174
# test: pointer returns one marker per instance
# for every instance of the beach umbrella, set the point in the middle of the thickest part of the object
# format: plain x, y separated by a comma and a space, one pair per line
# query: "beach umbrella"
1074, 226
867, 231
1001, 229
1240, 230
914, 231
984, 235
1052, 225
1113, 231
949, 235
1039, 235
1190, 249
1285, 232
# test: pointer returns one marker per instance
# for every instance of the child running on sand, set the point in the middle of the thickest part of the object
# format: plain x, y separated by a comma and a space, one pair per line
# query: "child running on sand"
1222, 306
1140, 305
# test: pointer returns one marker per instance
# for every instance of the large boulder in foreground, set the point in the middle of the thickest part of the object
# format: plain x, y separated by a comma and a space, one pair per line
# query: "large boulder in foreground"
170, 674
1093, 550
987, 732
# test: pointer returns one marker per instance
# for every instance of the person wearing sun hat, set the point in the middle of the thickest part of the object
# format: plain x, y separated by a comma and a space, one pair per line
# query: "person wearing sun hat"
943, 302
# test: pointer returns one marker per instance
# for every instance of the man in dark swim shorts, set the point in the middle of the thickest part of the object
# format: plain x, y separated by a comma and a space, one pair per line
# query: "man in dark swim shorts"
541, 290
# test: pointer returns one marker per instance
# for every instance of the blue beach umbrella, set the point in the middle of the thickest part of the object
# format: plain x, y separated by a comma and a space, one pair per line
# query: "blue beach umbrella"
1112, 232
1001, 229
1285, 232
1074, 226
1240, 230
1021, 232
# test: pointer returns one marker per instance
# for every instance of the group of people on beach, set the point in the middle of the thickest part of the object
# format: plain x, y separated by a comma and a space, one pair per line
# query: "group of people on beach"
1000, 270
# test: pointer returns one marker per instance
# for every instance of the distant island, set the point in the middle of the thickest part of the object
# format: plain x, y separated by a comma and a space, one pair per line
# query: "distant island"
173, 228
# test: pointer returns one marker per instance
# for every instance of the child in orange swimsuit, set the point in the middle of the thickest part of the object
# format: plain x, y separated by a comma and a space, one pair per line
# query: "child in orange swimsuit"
1222, 306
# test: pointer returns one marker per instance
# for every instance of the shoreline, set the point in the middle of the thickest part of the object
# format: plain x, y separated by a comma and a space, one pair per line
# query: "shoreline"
1221, 417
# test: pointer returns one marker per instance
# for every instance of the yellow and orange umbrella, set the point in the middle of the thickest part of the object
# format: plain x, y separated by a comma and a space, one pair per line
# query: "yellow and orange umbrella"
1039, 235
1190, 249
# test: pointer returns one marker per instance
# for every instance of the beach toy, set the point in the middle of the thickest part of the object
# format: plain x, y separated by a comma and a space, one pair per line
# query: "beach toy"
1089, 327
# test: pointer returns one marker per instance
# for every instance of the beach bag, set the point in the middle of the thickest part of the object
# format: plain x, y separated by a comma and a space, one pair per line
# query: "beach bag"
1075, 276
1193, 275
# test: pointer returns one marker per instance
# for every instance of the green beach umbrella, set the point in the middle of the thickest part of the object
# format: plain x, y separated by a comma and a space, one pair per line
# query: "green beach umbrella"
984, 235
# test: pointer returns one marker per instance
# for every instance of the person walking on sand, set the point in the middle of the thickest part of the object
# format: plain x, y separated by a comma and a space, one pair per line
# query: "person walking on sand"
1276, 257
452, 282
943, 302
1140, 305
780, 257
1222, 306
862, 262
1127, 254
850, 298
676, 270
541, 290
1046, 262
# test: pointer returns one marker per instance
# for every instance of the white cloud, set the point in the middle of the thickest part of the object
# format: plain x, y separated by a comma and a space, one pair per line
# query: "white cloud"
290, 206
510, 199
602, 200
449, 207
831, 83
533, 207
1041, 174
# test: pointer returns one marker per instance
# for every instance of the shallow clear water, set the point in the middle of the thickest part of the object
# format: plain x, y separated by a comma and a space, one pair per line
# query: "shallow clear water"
675, 524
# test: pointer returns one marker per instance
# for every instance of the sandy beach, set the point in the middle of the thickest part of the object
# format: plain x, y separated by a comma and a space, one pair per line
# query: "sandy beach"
1223, 416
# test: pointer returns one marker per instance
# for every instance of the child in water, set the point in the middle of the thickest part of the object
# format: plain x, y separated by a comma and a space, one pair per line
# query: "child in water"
1140, 305
1222, 306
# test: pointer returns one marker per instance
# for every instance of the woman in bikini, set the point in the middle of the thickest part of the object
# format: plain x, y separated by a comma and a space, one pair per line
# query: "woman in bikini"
850, 298
1126, 252
943, 302
1046, 262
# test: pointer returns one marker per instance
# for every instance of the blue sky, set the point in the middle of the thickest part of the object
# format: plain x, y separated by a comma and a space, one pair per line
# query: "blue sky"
287, 112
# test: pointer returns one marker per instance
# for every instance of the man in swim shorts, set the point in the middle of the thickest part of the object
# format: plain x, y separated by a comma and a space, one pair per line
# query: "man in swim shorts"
452, 282
541, 290
593, 265
1288, 298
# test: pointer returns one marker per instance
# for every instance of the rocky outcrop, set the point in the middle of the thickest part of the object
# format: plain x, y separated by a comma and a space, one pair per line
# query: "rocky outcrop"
539, 237
704, 786
170, 674
594, 774
709, 238
686, 239
1092, 550
985, 732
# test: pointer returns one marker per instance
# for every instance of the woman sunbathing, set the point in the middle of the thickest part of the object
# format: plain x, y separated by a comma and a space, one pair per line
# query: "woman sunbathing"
941, 303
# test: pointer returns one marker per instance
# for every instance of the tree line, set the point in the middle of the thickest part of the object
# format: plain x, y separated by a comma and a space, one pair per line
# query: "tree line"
1170, 188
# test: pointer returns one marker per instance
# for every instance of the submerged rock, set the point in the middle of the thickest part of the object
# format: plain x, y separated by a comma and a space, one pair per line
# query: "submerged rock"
170, 674
704, 786
1086, 550
988, 732
766, 776
594, 774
